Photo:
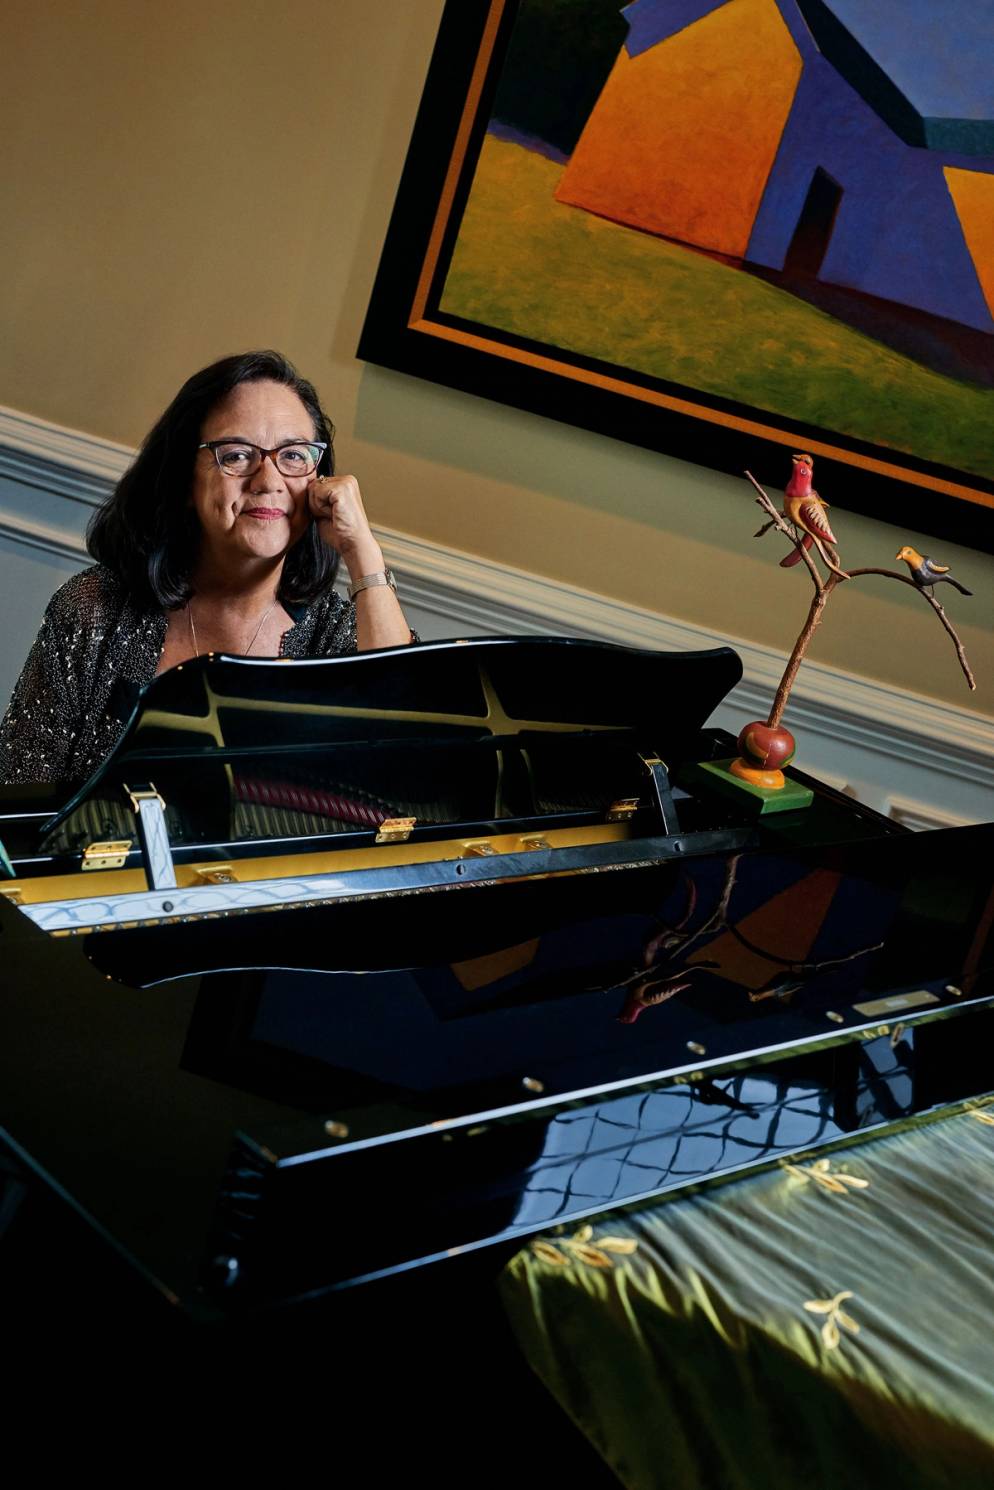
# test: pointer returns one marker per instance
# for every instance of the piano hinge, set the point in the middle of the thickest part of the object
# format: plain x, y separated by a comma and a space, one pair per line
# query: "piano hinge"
482, 849
395, 829
622, 810
215, 874
144, 794
533, 841
111, 853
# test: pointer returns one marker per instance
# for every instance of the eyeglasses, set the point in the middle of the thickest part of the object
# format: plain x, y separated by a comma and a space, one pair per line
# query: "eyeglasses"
239, 458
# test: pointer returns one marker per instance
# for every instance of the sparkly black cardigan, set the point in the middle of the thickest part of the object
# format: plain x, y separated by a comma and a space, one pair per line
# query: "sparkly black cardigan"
95, 649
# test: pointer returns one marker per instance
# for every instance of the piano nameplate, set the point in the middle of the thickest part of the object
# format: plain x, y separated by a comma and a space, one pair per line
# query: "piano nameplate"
896, 1003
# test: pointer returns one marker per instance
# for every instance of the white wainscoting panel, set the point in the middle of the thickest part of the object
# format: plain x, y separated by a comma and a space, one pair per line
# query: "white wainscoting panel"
887, 747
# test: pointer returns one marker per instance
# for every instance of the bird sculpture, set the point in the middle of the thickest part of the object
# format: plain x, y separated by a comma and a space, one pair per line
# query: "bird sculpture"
805, 509
926, 572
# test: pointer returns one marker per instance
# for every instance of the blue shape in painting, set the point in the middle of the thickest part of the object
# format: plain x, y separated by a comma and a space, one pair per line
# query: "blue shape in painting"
650, 21
937, 63
896, 233
845, 179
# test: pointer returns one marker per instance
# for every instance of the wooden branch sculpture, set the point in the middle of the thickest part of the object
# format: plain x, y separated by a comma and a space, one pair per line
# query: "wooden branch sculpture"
804, 523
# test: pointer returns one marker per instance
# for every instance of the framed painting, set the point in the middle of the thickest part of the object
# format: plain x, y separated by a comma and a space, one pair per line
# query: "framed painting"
723, 229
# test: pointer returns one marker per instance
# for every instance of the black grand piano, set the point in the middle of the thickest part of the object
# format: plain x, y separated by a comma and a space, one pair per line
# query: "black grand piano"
337, 969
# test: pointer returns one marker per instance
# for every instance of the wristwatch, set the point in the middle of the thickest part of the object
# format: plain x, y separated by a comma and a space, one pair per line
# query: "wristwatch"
369, 581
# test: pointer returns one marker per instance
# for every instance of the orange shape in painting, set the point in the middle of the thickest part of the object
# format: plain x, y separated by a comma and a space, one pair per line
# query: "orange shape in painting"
786, 925
683, 136
973, 197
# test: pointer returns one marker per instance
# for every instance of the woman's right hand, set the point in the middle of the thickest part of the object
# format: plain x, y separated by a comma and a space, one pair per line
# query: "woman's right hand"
336, 504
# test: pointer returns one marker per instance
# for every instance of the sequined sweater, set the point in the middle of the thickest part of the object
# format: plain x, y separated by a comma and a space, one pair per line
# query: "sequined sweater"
95, 649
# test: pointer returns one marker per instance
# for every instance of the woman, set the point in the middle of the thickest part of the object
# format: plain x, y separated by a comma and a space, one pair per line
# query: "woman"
224, 536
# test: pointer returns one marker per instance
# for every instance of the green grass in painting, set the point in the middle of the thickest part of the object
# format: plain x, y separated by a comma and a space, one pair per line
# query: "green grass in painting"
526, 264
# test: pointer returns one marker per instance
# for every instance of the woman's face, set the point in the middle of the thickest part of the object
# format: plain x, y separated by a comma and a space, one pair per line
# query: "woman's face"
262, 515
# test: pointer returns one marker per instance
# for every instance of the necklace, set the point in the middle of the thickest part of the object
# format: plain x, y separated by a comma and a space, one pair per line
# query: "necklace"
255, 635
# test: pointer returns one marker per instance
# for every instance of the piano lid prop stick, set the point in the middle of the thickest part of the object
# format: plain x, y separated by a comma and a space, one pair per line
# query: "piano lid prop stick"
153, 836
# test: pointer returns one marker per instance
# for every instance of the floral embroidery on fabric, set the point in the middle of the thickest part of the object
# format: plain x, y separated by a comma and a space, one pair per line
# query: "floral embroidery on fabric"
838, 1181
836, 1317
580, 1247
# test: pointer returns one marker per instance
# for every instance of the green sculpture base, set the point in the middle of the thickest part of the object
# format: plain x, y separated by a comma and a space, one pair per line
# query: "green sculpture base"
714, 776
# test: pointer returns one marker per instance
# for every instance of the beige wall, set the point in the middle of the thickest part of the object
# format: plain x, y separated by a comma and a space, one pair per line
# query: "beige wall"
169, 196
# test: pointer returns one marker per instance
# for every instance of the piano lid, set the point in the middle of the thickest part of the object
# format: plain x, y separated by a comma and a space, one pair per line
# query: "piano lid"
438, 701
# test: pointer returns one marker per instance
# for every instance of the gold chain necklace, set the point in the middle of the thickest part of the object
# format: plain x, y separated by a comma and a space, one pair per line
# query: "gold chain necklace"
255, 634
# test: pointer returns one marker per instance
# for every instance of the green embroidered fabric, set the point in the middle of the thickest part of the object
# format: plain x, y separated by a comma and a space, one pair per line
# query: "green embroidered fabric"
827, 1323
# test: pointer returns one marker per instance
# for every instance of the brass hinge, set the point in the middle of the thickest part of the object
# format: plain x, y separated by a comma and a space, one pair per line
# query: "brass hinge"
111, 853
482, 849
13, 894
533, 841
395, 829
215, 874
622, 810
144, 794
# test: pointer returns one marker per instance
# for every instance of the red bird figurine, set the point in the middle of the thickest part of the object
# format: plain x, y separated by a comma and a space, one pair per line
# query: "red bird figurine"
805, 509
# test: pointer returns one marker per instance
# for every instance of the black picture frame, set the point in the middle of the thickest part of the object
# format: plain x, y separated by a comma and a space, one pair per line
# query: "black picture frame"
406, 331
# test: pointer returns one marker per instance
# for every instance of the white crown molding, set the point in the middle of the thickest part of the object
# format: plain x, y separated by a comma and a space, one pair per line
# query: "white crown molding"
28, 443
879, 721
43, 537
912, 814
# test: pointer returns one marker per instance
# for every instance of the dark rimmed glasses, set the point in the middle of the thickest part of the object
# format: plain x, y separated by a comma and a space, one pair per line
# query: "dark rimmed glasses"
239, 458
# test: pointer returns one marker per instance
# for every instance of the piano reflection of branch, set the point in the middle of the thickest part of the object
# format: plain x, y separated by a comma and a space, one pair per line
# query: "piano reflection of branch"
667, 972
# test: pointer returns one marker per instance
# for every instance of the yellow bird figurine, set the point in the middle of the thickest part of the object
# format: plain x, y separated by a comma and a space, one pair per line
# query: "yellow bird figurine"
926, 572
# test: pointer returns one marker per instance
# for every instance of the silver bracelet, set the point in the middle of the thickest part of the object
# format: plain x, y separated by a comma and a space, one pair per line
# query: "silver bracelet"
370, 581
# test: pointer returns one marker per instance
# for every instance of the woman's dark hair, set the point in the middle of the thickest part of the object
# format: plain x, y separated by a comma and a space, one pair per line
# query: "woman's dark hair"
147, 532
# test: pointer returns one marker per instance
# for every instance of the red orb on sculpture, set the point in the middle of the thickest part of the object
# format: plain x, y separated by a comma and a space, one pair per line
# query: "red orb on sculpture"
765, 747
